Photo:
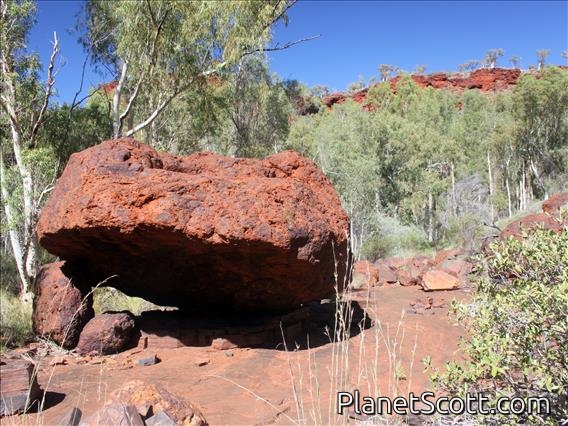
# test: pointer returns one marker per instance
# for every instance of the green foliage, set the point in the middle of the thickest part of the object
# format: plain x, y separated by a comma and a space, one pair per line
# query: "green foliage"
391, 238
110, 299
15, 321
161, 51
448, 163
517, 342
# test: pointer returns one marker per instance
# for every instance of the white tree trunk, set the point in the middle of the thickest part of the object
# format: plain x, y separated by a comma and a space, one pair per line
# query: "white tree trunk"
490, 187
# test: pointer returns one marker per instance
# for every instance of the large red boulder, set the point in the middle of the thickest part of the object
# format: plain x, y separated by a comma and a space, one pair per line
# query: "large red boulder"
61, 308
202, 232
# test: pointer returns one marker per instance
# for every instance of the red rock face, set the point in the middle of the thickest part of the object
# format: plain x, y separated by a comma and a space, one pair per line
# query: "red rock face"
555, 203
543, 220
485, 79
60, 308
203, 232
107, 333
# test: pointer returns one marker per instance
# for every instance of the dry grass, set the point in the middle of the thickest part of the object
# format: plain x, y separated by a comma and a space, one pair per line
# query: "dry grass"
15, 321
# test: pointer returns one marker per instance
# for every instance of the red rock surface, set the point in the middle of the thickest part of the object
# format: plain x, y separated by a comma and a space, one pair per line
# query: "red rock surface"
107, 333
365, 274
484, 79
245, 386
159, 399
555, 203
437, 279
544, 220
60, 308
203, 232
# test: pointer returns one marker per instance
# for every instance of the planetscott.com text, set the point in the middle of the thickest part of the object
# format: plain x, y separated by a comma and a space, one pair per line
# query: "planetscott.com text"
427, 404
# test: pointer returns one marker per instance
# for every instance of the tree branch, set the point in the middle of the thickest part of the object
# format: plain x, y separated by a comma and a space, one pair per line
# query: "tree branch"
283, 47
117, 122
47, 95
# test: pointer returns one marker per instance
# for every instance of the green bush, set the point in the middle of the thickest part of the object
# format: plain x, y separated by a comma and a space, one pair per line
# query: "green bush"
517, 323
389, 237
110, 299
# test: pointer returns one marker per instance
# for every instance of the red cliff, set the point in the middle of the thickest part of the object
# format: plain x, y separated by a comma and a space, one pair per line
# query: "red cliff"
486, 80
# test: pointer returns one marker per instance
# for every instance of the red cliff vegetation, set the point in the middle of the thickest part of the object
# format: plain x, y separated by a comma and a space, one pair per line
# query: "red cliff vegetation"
486, 80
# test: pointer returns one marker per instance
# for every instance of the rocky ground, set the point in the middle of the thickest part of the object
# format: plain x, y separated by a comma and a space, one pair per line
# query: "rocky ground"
257, 386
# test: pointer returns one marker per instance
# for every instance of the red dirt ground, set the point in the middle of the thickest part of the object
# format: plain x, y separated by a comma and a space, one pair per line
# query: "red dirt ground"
256, 386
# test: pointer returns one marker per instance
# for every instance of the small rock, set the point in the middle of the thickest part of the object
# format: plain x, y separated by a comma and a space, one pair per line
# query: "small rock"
138, 393
201, 362
59, 360
149, 360
71, 418
222, 344
229, 354
160, 419
115, 414
386, 274
145, 410
438, 280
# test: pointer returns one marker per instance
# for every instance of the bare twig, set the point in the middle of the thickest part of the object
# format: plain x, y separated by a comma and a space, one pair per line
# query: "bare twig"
48, 89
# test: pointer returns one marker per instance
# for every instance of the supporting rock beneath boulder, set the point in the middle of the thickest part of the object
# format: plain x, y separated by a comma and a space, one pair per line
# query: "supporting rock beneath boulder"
205, 233
107, 333
61, 309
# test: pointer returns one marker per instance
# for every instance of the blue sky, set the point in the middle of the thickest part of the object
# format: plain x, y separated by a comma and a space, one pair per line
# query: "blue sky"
357, 36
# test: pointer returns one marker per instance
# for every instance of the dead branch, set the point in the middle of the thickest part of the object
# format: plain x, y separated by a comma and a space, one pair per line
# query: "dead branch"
48, 89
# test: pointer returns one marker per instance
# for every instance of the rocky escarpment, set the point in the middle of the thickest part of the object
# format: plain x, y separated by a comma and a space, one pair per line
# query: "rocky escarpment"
204, 233
486, 80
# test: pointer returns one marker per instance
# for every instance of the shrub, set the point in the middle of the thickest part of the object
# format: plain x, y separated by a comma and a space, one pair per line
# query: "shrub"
517, 344
110, 299
389, 237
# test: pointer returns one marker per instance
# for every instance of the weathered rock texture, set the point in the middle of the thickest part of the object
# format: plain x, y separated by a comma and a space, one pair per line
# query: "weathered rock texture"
160, 400
202, 232
19, 387
107, 333
61, 309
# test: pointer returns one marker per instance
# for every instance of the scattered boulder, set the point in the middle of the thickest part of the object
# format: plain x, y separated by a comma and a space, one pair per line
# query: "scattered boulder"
544, 220
138, 394
19, 388
551, 218
386, 274
437, 279
204, 232
107, 333
61, 309
365, 274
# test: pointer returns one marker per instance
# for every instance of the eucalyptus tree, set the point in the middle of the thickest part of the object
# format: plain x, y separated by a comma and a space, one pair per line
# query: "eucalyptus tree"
515, 61
540, 109
541, 55
159, 50
492, 56
25, 171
